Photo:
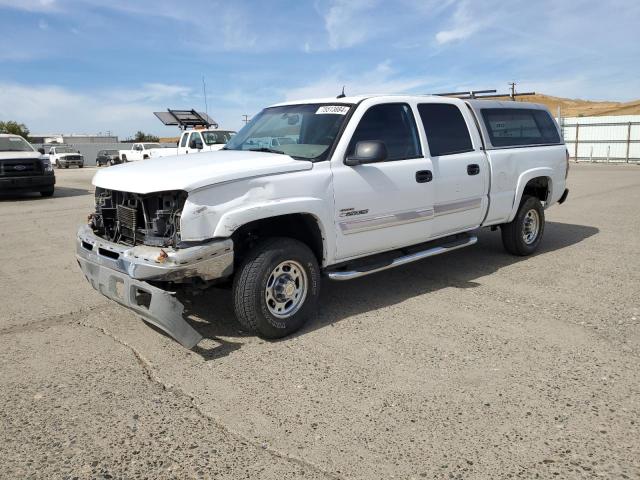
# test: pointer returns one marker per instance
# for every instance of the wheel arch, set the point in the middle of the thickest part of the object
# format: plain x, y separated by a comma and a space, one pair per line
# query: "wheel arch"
302, 226
537, 182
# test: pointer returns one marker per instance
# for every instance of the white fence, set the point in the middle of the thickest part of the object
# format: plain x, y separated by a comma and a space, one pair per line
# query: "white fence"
603, 139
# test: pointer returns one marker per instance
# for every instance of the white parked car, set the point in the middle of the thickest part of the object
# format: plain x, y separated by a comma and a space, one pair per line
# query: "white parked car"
139, 151
196, 141
63, 156
370, 183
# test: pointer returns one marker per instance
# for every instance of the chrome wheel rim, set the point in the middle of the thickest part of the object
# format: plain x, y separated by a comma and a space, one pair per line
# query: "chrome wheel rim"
530, 226
286, 289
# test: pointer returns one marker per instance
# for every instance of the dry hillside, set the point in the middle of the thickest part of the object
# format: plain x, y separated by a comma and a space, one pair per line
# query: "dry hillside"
570, 107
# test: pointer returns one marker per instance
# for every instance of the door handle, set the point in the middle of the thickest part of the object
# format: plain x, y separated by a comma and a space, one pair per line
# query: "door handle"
424, 176
473, 169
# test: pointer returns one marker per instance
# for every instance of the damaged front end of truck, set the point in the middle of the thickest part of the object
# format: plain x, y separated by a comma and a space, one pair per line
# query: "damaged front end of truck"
132, 252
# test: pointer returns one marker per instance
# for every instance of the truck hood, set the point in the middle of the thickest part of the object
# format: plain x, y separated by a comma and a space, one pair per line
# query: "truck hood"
195, 170
19, 155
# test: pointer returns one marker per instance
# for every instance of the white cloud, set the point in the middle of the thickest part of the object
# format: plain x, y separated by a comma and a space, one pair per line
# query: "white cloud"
30, 5
382, 79
347, 23
51, 108
463, 26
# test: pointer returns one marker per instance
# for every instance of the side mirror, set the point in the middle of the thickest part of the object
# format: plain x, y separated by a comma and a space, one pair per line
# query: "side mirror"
368, 151
41, 150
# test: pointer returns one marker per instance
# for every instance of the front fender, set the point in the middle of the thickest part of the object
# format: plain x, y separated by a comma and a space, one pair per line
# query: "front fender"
232, 220
523, 179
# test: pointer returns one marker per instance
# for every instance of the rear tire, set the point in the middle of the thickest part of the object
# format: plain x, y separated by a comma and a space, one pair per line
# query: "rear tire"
523, 235
47, 193
276, 288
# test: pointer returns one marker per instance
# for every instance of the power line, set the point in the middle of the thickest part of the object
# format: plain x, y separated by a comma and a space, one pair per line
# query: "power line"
245, 119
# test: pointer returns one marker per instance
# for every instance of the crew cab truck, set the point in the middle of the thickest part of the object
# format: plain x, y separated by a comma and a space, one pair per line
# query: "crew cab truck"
370, 183
23, 168
139, 151
64, 156
196, 141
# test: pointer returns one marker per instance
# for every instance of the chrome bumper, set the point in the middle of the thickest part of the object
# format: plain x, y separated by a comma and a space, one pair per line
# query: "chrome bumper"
118, 272
208, 261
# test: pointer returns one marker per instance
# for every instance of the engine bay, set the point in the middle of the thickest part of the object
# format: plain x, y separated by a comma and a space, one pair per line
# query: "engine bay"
138, 219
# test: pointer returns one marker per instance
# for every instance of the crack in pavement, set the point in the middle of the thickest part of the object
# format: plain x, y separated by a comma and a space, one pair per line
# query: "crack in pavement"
48, 322
145, 364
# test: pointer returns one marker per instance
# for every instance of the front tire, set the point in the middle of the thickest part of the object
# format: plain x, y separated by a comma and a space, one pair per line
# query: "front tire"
276, 288
523, 235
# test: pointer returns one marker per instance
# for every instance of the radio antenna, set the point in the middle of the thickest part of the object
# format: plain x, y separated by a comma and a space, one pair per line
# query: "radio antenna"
204, 93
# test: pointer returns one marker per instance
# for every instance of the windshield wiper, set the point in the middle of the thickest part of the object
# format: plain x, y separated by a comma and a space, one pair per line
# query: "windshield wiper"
268, 150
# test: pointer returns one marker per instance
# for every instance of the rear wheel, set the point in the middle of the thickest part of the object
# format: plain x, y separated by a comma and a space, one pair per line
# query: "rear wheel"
276, 287
523, 235
109, 163
48, 192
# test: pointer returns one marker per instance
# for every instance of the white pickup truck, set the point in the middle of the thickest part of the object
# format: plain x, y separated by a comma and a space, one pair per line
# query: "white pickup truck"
63, 156
196, 141
139, 151
370, 183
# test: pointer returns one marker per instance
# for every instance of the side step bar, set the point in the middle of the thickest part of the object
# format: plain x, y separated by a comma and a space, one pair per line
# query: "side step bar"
413, 257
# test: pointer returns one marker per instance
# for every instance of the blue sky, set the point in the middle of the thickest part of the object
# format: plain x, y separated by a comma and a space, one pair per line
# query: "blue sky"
86, 66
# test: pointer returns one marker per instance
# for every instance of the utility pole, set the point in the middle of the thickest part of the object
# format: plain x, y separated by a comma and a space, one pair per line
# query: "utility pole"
513, 91
245, 119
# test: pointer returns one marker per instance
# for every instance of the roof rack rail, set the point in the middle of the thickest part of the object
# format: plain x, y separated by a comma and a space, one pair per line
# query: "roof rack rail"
186, 118
480, 94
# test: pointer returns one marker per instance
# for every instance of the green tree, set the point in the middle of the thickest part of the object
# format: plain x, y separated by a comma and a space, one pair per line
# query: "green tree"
145, 137
14, 128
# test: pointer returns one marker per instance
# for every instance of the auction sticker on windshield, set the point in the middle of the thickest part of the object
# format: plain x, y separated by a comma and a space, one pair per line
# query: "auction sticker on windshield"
333, 109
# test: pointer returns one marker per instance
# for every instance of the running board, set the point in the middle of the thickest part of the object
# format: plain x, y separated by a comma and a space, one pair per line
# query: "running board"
413, 257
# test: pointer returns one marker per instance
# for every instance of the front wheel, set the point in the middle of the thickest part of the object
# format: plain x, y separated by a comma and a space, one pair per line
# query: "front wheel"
523, 235
276, 288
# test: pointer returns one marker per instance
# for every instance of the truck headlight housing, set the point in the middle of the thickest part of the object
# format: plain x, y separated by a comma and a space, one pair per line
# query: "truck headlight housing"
46, 165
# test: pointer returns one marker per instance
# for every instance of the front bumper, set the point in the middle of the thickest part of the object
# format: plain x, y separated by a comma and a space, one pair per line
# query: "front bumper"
27, 184
119, 273
70, 162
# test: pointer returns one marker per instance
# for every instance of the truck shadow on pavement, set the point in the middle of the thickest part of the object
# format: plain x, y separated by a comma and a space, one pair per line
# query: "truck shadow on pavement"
211, 312
60, 192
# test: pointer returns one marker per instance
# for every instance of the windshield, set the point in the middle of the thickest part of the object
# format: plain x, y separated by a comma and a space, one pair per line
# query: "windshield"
14, 144
216, 138
65, 150
304, 132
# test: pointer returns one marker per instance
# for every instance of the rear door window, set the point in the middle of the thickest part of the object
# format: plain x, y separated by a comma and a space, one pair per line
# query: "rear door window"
445, 128
393, 124
511, 127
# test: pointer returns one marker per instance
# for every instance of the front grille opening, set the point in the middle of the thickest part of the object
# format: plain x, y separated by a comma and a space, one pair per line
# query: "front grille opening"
142, 298
133, 219
108, 253
87, 245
